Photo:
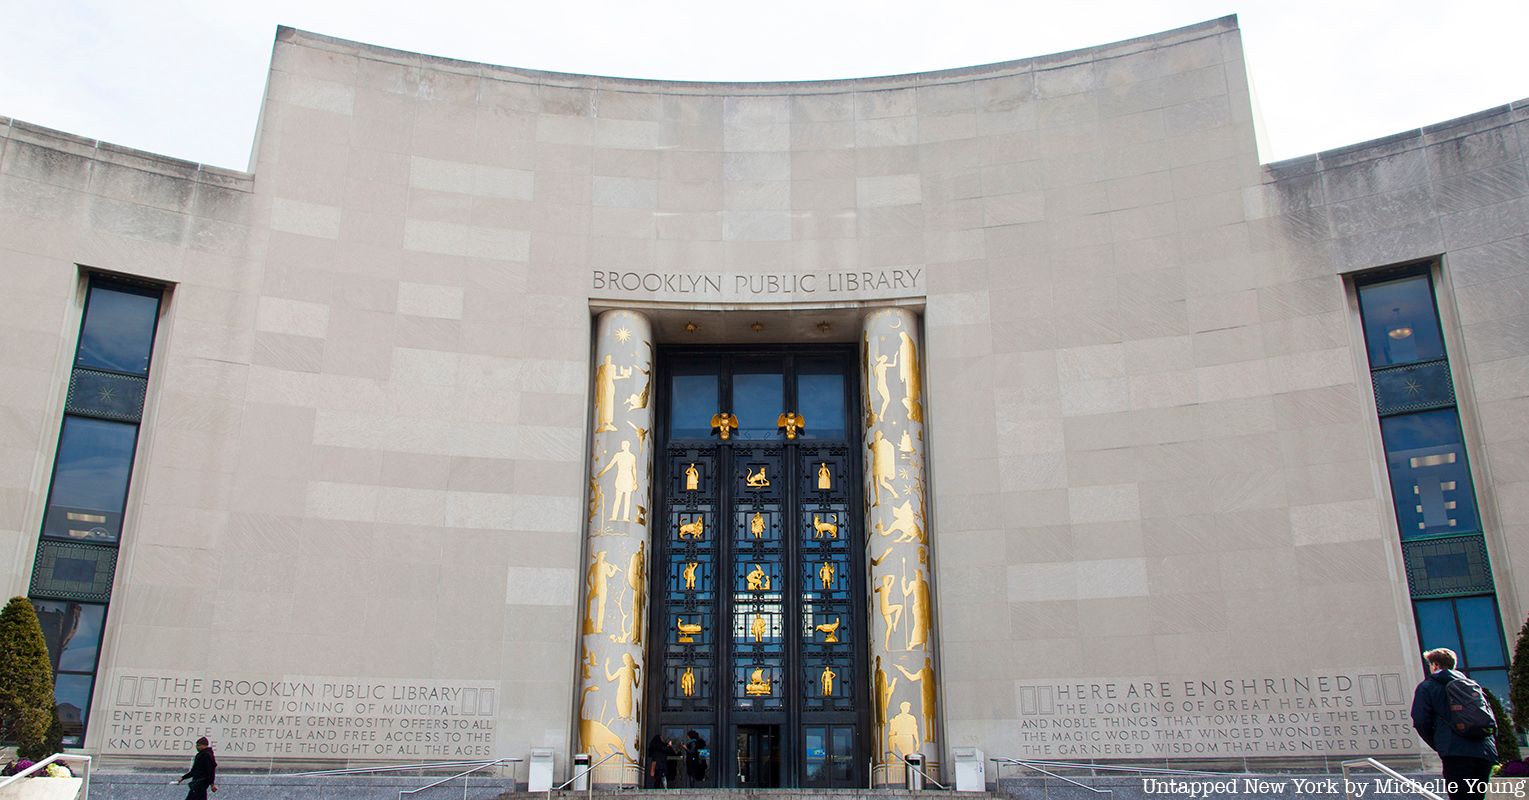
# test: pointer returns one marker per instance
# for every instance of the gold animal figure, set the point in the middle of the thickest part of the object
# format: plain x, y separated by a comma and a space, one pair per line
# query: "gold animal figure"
830, 630
725, 423
693, 529
792, 422
829, 527
687, 632
755, 480
904, 524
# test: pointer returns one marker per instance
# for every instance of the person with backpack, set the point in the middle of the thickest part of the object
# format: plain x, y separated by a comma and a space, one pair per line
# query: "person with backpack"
695, 757
1451, 714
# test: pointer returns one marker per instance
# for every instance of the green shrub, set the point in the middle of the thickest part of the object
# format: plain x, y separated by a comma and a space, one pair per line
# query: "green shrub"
1507, 739
26, 681
1518, 680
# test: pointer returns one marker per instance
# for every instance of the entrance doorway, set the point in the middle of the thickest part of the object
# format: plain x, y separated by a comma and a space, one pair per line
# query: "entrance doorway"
757, 751
758, 572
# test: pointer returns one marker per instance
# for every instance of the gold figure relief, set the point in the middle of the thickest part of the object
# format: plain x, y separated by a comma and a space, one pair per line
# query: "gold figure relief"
826, 575
687, 631
917, 594
825, 478
826, 527
640, 398
865, 386
912, 382
830, 631
637, 582
925, 680
692, 478
883, 467
694, 529
758, 685
757, 580
687, 682
626, 679
596, 589
905, 446
904, 524
792, 422
826, 681
902, 732
891, 613
879, 372
757, 525
725, 422
606, 375
755, 480
689, 574
624, 462
879, 705
758, 628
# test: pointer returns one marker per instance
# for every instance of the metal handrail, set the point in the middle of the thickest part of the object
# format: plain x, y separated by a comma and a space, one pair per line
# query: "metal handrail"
395, 768
589, 790
463, 776
1000, 762
1046, 772
1370, 762
53, 759
875, 768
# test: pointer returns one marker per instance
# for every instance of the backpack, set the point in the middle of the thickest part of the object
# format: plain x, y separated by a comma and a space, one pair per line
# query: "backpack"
1469, 715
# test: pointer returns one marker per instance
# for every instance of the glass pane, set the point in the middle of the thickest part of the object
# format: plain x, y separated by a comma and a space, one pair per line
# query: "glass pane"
1400, 322
71, 695
1436, 624
815, 752
843, 752
820, 398
118, 331
1494, 679
1429, 478
1479, 632
73, 631
759, 400
90, 479
692, 402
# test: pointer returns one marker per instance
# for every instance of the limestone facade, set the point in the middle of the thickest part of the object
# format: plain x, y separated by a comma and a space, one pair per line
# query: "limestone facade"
1153, 465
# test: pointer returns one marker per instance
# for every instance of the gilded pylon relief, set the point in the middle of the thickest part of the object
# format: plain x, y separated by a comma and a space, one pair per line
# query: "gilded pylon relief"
616, 545
904, 687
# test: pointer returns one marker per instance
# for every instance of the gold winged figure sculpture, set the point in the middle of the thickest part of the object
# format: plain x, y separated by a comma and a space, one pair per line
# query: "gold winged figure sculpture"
792, 422
725, 422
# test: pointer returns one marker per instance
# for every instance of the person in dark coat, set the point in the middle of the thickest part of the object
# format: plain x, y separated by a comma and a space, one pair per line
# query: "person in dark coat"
659, 752
1467, 762
695, 761
204, 771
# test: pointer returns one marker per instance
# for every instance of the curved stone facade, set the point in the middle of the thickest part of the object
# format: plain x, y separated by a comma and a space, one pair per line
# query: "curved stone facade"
1156, 500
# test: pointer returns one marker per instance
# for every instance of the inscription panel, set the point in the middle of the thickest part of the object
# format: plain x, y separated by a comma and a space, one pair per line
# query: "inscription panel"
1281, 715
153, 713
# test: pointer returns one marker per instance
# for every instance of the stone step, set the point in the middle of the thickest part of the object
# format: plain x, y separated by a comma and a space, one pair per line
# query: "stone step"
1238, 786
758, 794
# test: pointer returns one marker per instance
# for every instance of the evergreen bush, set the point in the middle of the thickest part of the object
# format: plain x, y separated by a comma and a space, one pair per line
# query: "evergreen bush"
26, 681
1518, 680
1507, 738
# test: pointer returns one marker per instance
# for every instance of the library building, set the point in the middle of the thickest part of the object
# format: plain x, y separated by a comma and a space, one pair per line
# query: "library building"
1014, 410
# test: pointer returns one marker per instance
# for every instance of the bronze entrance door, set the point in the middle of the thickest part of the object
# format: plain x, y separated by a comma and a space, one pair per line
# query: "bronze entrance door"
757, 627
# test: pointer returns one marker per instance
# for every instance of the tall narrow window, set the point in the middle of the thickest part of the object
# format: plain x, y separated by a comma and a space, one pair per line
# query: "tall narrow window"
87, 498
1448, 572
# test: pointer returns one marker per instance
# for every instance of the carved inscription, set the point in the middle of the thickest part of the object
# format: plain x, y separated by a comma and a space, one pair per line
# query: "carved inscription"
1216, 717
308, 717
720, 286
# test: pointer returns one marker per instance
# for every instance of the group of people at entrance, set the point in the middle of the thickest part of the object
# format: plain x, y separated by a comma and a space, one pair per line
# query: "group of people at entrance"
664, 757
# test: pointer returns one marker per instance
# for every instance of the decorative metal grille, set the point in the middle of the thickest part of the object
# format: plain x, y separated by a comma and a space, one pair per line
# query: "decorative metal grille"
1440, 567
1414, 387
107, 395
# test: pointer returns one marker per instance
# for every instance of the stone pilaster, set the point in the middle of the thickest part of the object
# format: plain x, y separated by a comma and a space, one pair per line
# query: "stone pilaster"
904, 691
616, 547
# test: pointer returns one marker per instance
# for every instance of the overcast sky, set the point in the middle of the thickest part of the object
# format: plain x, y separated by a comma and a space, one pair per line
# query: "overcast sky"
184, 77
